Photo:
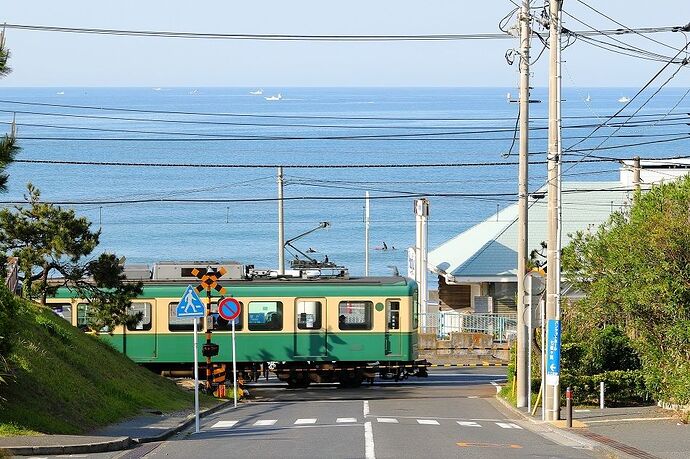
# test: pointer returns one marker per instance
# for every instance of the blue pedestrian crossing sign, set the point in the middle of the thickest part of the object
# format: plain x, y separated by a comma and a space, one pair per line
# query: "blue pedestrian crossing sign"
190, 305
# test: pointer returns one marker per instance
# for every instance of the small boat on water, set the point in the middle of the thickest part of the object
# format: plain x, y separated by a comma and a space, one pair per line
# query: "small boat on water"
588, 98
258, 92
278, 97
624, 100
60, 93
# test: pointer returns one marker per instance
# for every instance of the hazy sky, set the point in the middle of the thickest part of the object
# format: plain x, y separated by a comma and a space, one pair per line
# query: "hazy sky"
56, 59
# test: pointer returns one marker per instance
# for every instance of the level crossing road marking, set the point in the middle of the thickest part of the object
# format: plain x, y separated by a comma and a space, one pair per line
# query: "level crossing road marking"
468, 423
343, 420
306, 421
387, 420
428, 422
265, 422
223, 424
508, 425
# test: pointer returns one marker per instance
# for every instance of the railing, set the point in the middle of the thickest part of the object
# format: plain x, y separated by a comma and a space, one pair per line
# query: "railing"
503, 326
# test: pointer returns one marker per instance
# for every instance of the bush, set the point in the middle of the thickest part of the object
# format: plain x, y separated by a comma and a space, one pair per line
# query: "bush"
621, 387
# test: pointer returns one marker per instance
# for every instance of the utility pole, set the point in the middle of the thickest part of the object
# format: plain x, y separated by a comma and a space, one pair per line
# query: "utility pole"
366, 233
281, 225
421, 210
636, 173
523, 349
551, 388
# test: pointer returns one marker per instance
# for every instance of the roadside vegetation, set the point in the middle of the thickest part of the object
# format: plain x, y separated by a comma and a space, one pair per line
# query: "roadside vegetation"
631, 328
62, 380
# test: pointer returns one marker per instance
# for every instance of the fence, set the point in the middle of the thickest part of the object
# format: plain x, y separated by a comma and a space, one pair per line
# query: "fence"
503, 326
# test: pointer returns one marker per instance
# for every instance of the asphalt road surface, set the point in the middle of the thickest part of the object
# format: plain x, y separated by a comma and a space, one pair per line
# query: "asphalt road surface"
453, 413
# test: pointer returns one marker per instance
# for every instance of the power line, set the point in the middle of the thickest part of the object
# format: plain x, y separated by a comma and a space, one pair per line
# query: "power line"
286, 166
241, 115
300, 37
220, 200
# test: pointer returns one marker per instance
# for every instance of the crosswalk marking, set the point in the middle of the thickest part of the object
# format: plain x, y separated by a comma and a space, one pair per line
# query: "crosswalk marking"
428, 422
221, 424
508, 425
306, 421
468, 423
265, 422
342, 420
387, 420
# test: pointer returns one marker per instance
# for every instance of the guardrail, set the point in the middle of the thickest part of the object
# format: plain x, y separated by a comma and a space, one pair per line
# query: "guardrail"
502, 326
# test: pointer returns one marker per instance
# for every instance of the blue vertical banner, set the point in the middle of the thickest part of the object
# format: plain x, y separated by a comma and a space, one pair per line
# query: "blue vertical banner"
553, 352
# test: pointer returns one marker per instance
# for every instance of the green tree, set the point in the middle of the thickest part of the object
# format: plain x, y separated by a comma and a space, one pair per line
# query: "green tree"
635, 273
8, 146
53, 246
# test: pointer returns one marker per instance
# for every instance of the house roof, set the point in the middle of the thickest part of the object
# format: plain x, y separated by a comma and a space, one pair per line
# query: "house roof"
488, 251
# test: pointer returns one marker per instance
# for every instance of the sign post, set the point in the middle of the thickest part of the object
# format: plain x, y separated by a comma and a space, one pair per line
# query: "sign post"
190, 306
230, 309
553, 359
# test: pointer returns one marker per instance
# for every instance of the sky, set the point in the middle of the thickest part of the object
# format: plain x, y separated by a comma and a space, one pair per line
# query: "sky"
58, 60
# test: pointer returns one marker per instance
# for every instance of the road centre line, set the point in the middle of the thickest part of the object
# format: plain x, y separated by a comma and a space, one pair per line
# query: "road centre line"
369, 451
365, 408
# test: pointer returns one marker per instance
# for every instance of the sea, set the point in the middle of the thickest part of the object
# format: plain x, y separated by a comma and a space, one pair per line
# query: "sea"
455, 146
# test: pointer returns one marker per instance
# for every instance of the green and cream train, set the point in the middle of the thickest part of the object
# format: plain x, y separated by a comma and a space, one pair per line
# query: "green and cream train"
333, 329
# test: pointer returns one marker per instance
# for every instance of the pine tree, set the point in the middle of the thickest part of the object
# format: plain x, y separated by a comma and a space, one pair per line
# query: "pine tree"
8, 147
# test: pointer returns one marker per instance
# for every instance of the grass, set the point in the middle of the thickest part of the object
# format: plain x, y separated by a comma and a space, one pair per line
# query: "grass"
68, 382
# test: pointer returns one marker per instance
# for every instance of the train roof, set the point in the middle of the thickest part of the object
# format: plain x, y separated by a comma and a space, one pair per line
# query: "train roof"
319, 287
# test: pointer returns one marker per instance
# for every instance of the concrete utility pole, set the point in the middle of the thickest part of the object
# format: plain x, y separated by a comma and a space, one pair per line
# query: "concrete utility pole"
281, 225
636, 173
366, 233
523, 370
421, 211
551, 391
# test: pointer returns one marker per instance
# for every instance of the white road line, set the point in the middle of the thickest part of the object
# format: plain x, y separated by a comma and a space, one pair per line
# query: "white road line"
471, 396
365, 408
468, 423
342, 420
630, 420
582, 411
428, 422
304, 421
369, 441
265, 422
495, 384
508, 425
385, 420
222, 424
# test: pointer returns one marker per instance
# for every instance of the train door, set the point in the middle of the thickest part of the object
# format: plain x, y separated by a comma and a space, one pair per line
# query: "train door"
393, 338
139, 340
310, 327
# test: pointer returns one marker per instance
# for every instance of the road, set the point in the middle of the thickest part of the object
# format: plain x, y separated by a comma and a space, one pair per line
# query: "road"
450, 414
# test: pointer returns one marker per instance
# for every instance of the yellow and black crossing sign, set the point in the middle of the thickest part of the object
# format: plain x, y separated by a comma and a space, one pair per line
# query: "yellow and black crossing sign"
209, 280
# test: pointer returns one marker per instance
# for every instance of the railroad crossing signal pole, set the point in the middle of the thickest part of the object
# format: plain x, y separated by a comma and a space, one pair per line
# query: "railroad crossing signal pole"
523, 344
208, 281
281, 225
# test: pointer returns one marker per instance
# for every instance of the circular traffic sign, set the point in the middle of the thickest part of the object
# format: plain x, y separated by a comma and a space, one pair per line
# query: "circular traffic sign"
229, 308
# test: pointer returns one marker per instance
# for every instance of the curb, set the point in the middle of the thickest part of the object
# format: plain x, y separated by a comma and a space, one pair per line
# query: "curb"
116, 444
187, 422
84, 448
567, 433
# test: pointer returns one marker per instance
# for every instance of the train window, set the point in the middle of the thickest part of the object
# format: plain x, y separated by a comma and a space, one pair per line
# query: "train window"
308, 314
221, 324
415, 310
64, 310
265, 315
393, 315
145, 322
355, 315
83, 315
177, 324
